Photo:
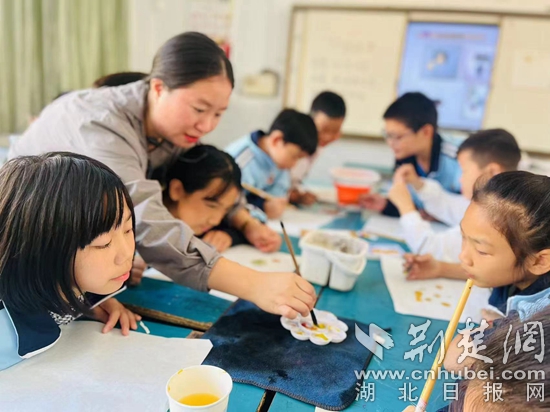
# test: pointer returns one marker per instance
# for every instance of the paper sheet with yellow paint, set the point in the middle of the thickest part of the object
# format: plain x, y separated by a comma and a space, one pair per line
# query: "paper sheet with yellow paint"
251, 257
433, 298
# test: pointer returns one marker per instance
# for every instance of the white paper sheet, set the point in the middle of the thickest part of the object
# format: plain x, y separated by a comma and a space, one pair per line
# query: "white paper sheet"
377, 250
251, 257
434, 298
155, 274
389, 227
296, 221
90, 371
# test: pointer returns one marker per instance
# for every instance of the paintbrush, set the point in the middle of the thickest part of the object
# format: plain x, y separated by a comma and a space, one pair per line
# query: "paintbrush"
430, 382
409, 267
262, 194
291, 250
258, 192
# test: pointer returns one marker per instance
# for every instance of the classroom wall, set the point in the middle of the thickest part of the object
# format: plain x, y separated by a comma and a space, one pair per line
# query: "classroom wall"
259, 41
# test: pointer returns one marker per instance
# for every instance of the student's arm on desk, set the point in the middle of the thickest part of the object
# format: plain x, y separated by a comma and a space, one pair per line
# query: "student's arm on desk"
259, 235
444, 246
426, 267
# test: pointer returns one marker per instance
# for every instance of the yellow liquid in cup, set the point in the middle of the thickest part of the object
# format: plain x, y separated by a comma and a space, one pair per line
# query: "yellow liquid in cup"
199, 399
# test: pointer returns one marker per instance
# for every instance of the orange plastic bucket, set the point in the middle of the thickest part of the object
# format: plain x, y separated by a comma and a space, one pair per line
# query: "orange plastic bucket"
352, 183
349, 195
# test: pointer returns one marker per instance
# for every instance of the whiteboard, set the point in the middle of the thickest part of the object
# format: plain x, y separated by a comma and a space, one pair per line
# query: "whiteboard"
353, 53
357, 53
520, 97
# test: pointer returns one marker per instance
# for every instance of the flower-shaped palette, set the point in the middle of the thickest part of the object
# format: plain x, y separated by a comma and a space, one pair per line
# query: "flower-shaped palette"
329, 328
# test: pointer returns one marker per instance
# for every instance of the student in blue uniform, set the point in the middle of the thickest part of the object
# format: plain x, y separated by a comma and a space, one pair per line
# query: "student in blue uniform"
411, 132
483, 154
505, 240
66, 248
265, 159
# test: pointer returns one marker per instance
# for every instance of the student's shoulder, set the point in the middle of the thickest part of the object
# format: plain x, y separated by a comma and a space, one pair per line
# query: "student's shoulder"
449, 146
242, 150
24, 335
8, 344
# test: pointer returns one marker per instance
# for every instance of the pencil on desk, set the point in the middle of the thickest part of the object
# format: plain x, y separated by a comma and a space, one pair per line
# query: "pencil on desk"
432, 378
291, 250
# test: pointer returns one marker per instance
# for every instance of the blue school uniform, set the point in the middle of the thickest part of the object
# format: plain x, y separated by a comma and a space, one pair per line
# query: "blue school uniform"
25, 335
500, 296
444, 168
258, 169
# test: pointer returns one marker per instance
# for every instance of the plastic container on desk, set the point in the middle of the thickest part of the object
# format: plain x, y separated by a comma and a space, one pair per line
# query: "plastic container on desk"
351, 183
340, 258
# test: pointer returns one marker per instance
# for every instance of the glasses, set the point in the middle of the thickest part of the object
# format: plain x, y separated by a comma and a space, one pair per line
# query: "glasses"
396, 138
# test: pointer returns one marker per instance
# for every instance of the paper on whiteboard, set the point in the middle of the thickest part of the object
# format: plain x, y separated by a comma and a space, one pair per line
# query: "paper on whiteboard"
433, 298
90, 371
389, 227
531, 69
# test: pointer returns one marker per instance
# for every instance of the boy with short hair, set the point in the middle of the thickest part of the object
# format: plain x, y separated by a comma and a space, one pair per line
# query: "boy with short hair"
411, 132
265, 159
328, 111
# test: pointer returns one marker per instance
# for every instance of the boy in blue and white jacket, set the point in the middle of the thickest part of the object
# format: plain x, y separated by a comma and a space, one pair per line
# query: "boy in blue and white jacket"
265, 159
410, 128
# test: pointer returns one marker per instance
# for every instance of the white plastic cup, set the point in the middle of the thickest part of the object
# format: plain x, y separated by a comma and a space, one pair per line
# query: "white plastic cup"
201, 379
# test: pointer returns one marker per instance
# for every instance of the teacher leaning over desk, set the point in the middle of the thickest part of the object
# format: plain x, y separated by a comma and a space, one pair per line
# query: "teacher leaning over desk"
144, 125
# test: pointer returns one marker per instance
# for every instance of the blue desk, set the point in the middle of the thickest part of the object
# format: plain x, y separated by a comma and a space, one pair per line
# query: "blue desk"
368, 302
174, 299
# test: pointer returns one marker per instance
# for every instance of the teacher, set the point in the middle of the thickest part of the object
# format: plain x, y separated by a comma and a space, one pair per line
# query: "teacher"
141, 126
